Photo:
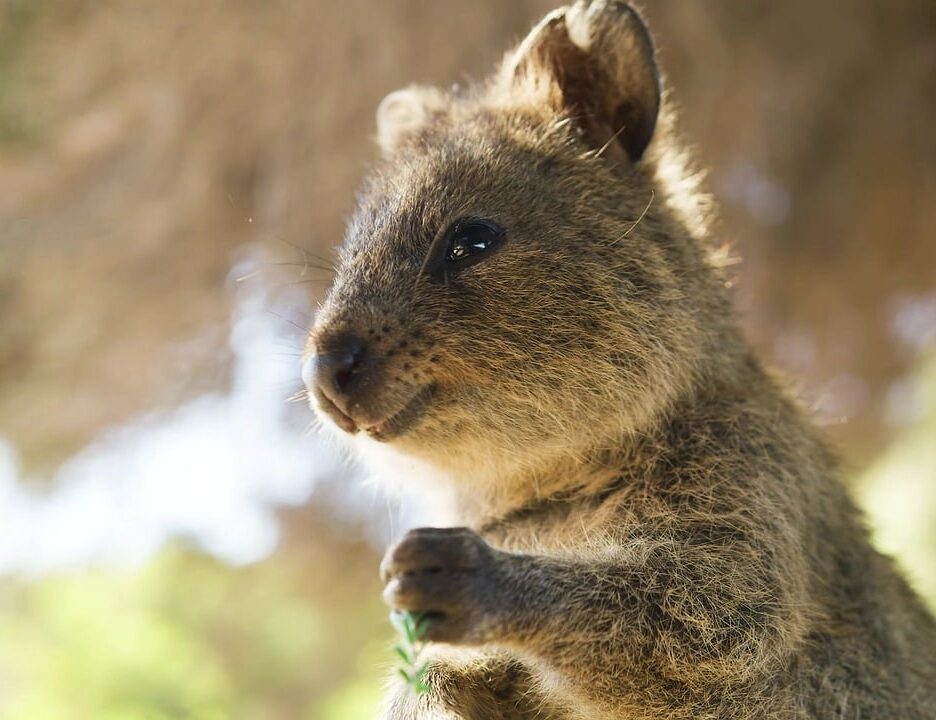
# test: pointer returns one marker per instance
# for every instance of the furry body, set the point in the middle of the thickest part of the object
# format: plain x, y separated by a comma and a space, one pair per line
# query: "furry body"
651, 527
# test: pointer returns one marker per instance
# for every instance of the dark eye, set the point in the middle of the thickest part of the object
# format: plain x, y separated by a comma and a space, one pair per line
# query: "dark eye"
469, 241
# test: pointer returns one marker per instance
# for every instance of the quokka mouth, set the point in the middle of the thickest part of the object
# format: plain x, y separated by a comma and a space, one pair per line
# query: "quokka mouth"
338, 416
403, 420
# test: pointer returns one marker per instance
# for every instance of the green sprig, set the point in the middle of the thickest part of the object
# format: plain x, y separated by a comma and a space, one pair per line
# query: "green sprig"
412, 632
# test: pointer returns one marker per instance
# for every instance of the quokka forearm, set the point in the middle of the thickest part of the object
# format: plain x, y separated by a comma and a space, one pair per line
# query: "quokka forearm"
684, 615
695, 615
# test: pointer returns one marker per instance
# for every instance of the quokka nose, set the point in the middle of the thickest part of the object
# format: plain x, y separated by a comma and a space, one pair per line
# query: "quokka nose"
334, 366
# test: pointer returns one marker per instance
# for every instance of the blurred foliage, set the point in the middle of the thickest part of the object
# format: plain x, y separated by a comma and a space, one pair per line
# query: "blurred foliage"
899, 490
185, 637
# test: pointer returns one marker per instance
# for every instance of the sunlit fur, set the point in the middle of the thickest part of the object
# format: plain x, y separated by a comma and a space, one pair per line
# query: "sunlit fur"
595, 406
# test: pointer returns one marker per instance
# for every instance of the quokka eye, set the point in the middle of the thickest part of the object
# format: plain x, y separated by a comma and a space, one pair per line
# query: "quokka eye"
470, 240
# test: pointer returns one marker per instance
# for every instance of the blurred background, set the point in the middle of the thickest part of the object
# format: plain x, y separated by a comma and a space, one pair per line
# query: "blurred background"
174, 540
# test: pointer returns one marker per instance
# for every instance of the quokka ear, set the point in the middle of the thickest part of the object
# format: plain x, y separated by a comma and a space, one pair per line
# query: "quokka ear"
403, 113
595, 61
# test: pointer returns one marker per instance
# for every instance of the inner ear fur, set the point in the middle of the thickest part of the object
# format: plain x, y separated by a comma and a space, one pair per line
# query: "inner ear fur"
595, 61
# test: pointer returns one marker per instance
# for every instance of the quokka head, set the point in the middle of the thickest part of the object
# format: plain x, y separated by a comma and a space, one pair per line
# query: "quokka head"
519, 281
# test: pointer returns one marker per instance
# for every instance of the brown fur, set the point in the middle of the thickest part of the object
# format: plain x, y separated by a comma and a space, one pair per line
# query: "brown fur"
655, 530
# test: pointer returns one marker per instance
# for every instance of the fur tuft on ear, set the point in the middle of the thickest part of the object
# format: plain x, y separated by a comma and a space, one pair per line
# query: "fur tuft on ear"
595, 61
402, 113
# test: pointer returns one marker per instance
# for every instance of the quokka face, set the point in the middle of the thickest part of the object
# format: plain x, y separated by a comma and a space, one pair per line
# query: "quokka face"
513, 282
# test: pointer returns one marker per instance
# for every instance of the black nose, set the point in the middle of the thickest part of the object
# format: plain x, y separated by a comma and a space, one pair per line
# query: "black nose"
335, 366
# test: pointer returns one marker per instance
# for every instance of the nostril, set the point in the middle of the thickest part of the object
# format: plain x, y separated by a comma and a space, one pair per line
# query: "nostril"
343, 377
337, 362
346, 360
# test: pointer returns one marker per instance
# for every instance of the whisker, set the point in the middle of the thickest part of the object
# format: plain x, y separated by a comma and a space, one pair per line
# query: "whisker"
303, 330
308, 281
610, 140
315, 426
638, 220
304, 265
307, 254
248, 276
305, 279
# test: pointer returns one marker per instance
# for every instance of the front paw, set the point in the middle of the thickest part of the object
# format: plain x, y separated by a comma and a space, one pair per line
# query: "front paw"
450, 577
